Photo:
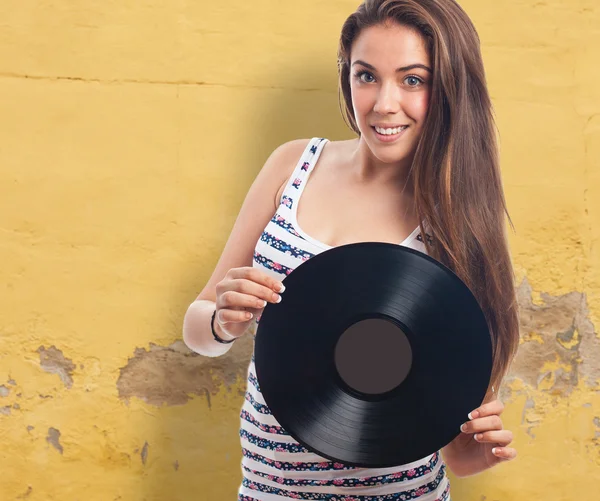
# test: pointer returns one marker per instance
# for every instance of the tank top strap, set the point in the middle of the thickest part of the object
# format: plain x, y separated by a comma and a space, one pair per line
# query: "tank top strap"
295, 185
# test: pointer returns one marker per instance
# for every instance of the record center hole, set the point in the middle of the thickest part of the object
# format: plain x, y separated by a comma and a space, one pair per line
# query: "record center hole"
373, 356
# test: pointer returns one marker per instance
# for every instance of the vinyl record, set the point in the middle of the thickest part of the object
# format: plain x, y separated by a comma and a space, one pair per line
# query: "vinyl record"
375, 355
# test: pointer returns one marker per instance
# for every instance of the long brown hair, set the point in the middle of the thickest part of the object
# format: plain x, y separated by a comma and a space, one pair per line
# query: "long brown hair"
455, 171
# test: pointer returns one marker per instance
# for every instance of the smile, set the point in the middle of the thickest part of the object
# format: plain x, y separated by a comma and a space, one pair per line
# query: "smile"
391, 131
390, 134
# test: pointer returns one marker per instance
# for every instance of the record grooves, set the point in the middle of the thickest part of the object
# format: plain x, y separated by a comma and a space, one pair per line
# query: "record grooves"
375, 356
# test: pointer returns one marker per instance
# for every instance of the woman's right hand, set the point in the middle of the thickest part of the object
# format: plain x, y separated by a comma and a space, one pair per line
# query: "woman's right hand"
242, 295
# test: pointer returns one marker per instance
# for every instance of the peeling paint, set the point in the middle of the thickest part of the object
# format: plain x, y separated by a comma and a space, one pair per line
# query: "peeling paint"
4, 391
26, 494
53, 361
559, 349
144, 453
53, 438
529, 404
559, 346
5, 410
171, 375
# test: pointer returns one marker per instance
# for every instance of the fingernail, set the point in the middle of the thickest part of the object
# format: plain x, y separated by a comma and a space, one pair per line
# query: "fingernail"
278, 299
473, 415
494, 450
282, 288
478, 436
463, 427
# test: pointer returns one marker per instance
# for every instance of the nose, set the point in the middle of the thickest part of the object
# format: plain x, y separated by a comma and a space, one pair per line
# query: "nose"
388, 99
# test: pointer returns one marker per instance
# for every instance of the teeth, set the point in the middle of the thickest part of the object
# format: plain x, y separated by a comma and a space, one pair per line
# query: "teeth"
389, 132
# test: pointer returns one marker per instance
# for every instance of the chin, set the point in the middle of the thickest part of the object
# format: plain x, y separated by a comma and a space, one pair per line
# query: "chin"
393, 153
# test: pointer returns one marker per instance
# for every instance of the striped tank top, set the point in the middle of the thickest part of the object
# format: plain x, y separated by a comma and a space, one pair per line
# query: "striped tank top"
276, 467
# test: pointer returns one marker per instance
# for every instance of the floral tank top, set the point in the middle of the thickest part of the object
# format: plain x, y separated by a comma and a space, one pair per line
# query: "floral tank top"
276, 467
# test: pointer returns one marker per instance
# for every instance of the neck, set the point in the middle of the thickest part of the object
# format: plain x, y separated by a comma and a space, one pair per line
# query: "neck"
369, 169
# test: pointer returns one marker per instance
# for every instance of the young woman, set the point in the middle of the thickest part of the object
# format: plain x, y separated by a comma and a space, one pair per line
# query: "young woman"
422, 172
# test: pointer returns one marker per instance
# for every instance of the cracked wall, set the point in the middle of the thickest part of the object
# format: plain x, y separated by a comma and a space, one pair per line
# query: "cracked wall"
133, 134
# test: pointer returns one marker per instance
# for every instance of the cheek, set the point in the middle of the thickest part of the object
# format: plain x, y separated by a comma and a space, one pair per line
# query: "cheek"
361, 102
418, 105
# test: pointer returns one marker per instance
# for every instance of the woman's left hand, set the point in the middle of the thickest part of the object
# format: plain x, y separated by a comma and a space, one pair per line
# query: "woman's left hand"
482, 443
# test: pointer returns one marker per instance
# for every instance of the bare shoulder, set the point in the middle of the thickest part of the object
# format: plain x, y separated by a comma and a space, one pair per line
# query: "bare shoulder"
338, 152
260, 204
285, 158
335, 159
295, 147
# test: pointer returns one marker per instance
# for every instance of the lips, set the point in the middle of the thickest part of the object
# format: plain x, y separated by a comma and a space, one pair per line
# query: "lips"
389, 126
397, 132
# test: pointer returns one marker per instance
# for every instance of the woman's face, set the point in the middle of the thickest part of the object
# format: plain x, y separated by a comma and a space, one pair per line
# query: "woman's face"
390, 77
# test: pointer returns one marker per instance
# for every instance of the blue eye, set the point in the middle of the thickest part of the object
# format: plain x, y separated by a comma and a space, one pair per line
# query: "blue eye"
360, 74
415, 80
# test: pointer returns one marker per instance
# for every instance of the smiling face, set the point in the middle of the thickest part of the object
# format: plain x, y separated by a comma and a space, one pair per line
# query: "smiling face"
390, 79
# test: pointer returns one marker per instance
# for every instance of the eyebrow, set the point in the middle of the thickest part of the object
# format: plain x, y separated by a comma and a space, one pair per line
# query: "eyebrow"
403, 68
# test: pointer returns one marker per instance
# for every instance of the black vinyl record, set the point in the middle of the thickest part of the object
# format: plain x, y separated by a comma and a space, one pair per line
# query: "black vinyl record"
375, 355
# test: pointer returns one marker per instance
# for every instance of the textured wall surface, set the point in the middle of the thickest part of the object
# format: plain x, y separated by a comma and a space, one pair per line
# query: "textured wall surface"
130, 134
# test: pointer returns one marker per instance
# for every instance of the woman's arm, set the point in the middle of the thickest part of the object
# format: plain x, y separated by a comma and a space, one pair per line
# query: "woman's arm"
258, 208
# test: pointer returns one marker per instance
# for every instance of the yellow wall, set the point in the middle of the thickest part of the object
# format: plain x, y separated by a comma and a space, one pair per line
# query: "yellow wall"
130, 133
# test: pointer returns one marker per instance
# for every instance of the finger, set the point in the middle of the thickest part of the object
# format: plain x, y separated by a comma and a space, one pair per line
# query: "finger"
251, 288
482, 424
226, 316
235, 300
504, 453
500, 437
259, 277
487, 409
257, 290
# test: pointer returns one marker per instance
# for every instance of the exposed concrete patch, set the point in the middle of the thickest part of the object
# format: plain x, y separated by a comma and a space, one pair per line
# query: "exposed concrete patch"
4, 391
30, 428
559, 347
529, 404
12, 382
53, 361
593, 448
144, 453
5, 410
559, 350
53, 439
171, 375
